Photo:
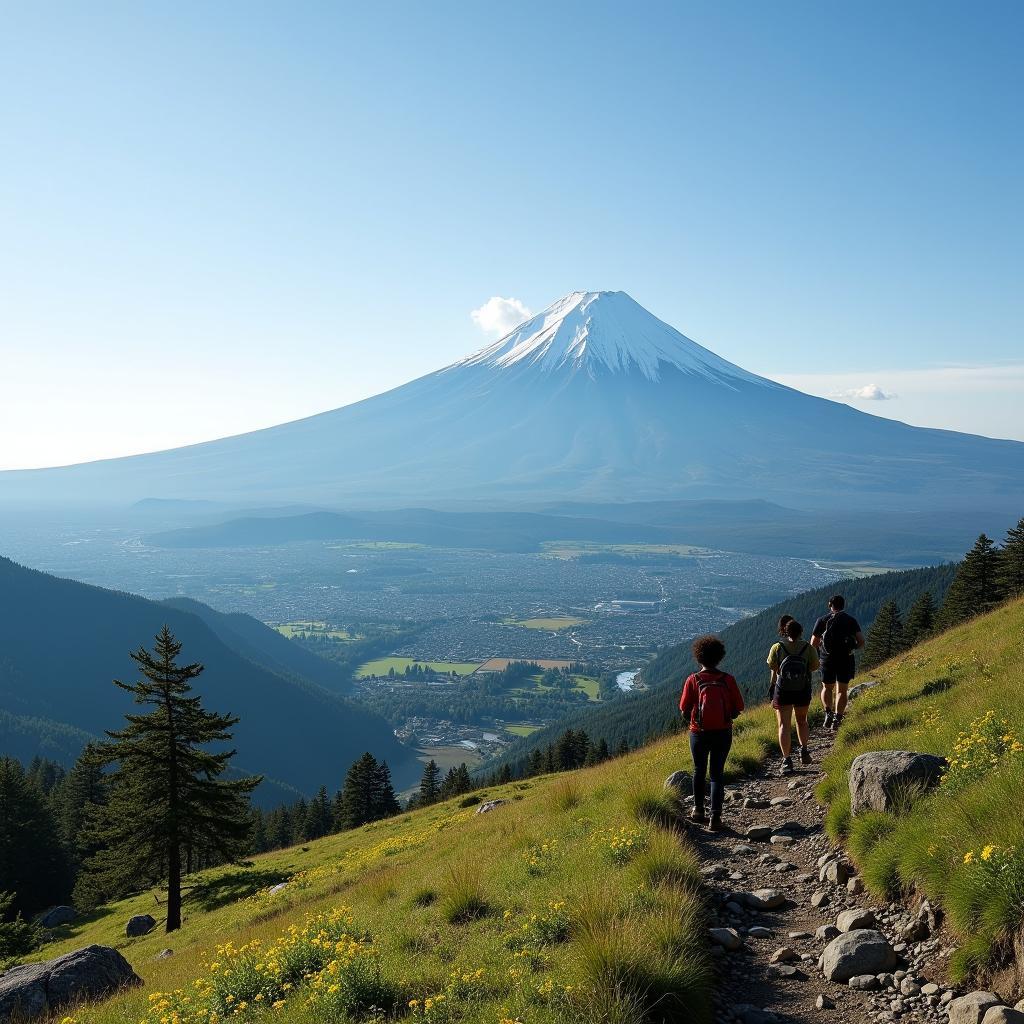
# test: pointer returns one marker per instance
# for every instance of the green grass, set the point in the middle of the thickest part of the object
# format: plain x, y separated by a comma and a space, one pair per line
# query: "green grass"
962, 844
552, 623
574, 549
522, 730
381, 666
307, 629
559, 906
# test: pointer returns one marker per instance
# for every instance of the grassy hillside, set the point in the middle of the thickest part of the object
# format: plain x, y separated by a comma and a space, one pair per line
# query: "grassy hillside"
958, 695
640, 716
62, 643
575, 900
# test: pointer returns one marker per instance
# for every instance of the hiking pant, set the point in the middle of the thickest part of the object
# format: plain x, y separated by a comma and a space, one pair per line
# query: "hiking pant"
710, 749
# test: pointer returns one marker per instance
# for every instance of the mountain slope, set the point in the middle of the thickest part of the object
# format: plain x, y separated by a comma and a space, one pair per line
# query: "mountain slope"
505, 915
639, 716
593, 399
63, 642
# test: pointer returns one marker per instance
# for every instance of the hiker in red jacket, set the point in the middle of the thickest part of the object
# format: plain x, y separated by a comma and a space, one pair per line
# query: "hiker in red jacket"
710, 700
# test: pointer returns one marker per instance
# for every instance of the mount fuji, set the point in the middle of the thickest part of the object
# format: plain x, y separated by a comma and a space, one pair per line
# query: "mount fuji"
594, 399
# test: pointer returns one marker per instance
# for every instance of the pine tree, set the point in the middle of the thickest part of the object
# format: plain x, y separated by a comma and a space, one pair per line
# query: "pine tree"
603, 753
1011, 562
17, 936
622, 749
367, 794
167, 797
920, 622
318, 817
259, 839
885, 638
976, 588
385, 802
430, 789
535, 762
32, 861
78, 801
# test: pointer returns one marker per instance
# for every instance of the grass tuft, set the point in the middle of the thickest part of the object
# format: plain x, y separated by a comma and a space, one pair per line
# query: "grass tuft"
463, 898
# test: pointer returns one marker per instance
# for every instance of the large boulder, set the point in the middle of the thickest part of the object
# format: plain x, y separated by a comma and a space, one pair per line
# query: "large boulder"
1002, 1015
862, 951
33, 990
140, 924
971, 1008
56, 916
880, 780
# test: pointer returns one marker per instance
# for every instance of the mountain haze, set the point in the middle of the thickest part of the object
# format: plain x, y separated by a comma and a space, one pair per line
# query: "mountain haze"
592, 399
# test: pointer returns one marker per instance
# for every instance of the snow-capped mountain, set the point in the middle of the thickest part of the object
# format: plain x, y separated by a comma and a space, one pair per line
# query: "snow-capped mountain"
605, 331
595, 399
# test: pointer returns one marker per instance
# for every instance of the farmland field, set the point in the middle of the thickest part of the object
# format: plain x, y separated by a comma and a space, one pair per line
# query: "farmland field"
381, 666
576, 548
308, 629
500, 664
522, 730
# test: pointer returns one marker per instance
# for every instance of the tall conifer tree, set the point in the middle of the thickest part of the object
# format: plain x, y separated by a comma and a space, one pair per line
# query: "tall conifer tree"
1011, 562
430, 784
920, 622
885, 638
167, 797
977, 586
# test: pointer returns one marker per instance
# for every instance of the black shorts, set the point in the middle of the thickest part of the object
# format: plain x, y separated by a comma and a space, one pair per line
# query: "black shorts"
838, 670
801, 699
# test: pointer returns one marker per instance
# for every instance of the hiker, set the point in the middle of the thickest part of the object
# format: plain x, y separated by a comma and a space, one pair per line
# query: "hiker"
710, 701
836, 636
792, 661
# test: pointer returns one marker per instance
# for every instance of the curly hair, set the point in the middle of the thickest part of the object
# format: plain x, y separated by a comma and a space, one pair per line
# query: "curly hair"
783, 623
794, 630
708, 650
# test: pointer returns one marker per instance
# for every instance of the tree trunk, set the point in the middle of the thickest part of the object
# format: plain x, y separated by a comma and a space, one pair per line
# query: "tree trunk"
173, 888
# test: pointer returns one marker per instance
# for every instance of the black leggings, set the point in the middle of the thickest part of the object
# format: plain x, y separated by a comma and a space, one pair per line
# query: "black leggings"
710, 749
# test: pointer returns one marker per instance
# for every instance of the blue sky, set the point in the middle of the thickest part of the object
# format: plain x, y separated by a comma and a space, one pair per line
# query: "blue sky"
218, 217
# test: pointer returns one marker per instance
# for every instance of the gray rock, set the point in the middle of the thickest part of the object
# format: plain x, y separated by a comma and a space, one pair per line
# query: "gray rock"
864, 983
854, 886
742, 849
275, 889
823, 1002
931, 989
862, 688
680, 782
820, 898
1002, 1015
783, 970
850, 920
36, 989
781, 839
971, 1008
770, 899
490, 805
909, 987
781, 801
164, 954
56, 916
140, 924
864, 951
784, 955
826, 933
1019, 1006
835, 872
914, 931
727, 938
880, 780
760, 932
758, 833
755, 803
749, 1014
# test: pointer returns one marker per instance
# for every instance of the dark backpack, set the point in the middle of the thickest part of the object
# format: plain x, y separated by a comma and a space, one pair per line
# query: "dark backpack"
835, 641
794, 673
714, 704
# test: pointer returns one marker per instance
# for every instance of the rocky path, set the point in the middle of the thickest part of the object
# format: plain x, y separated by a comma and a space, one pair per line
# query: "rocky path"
782, 895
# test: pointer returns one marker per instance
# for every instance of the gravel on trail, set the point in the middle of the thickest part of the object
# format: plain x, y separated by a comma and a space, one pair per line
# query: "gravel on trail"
786, 893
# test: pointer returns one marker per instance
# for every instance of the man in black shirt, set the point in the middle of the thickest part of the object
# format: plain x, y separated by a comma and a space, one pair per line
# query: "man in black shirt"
836, 636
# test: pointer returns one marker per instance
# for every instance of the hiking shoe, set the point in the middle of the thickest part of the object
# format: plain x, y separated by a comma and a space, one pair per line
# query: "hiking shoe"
805, 756
829, 719
716, 823
837, 720
787, 766
698, 817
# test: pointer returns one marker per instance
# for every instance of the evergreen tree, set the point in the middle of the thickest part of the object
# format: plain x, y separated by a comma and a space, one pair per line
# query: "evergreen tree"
385, 801
535, 762
367, 794
504, 774
259, 839
885, 638
976, 588
920, 622
167, 797
17, 936
430, 789
318, 817
78, 801
603, 753
622, 749
32, 861
1011, 562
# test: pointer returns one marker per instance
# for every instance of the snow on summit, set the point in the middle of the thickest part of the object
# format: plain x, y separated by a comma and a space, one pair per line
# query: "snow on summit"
590, 330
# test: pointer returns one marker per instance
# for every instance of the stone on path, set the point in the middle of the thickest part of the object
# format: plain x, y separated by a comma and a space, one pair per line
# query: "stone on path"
749, 1014
755, 803
770, 899
781, 801
1002, 1015
826, 933
850, 920
727, 938
820, 898
970, 1009
784, 955
760, 932
836, 872
881, 779
758, 833
864, 982
855, 886
864, 951
781, 840
681, 783
34, 990
823, 1002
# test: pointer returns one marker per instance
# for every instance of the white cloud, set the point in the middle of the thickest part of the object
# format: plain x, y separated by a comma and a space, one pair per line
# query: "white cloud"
498, 316
866, 393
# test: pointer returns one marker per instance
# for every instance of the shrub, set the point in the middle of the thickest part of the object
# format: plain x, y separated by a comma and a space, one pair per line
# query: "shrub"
469, 801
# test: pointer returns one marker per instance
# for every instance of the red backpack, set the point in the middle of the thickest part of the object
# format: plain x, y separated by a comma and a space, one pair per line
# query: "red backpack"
714, 702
